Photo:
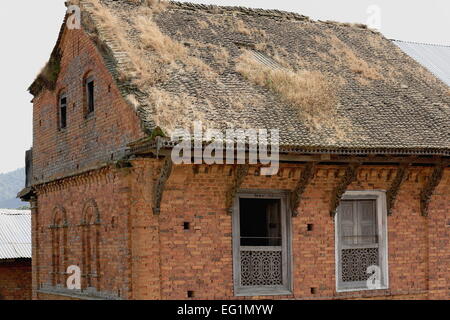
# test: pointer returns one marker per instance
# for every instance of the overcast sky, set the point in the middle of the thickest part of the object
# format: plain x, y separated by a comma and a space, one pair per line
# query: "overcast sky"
29, 29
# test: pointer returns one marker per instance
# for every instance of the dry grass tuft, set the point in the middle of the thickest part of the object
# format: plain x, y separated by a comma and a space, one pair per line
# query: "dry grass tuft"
241, 27
131, 98
157, 6
308, 91
221, 56
202, 24
140, 67
153, 39
174, 111
347, 56
48, 76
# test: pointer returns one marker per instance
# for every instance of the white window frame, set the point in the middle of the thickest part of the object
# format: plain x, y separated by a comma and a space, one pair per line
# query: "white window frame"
286, 288
382, 229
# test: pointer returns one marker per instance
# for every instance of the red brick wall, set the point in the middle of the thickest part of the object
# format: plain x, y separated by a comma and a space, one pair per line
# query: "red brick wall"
200, 259
151, 257
109, 188
15, 279
86, 141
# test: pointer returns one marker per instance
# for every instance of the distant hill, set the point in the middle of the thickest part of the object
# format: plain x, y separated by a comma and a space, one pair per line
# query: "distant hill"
10, 184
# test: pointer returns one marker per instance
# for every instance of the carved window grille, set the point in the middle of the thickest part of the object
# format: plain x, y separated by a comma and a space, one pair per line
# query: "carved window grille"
361, 244
261, 246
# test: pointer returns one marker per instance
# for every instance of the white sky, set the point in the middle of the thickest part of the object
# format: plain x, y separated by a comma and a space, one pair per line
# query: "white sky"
29, 28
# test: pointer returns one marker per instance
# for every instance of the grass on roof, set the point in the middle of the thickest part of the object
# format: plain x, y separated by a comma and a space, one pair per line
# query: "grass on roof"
308, 91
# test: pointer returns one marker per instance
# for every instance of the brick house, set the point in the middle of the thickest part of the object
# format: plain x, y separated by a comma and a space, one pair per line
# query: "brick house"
15, 254
364, 149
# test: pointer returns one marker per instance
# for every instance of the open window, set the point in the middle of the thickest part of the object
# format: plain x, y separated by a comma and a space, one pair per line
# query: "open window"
361, 241
261, 242
62, 114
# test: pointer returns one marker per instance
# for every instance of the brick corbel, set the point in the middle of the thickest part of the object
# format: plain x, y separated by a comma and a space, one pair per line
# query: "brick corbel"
239, 176
430, 187
305, 179
391, 194
164, 175
349, 176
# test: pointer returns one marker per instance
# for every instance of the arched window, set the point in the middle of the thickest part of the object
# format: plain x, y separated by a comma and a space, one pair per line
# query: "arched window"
90, 239
59, 245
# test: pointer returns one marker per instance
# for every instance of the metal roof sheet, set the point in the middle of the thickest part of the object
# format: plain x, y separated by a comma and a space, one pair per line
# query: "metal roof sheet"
15, 234
436, 58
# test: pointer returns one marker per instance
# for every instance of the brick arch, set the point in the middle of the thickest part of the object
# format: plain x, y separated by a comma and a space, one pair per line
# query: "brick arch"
90, 204
90, 233
59, 244
57, 211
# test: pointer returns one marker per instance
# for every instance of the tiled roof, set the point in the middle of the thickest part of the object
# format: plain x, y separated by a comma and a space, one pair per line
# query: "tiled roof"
15, 234
384, 99
435, 58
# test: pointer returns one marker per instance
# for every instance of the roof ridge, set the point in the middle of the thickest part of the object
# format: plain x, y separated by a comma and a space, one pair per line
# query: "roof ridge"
219, 9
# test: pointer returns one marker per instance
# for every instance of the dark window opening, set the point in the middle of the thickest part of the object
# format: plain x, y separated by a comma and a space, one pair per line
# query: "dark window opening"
63, 113
90, 96
260, 222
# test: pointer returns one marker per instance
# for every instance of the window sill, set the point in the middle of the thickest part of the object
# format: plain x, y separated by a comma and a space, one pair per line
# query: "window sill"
254, 292
361, 289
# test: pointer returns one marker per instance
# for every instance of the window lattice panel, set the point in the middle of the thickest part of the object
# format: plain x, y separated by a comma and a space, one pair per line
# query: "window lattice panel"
355, 263
261, 268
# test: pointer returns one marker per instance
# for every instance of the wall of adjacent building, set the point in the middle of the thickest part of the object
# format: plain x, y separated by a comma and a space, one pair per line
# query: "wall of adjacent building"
15, 279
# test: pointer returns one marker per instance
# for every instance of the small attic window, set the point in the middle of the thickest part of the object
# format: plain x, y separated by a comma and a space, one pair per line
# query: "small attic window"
62, 111
90, 101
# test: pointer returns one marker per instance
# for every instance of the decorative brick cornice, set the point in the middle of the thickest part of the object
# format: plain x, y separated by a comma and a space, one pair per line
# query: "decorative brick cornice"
85, 178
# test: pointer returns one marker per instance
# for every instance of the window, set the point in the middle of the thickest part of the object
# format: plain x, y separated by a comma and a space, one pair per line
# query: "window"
62, 111
90, 106
261, 244
361, 241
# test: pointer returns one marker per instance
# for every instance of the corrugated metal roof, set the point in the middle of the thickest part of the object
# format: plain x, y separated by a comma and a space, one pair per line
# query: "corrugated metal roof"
15, 234
436, 58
